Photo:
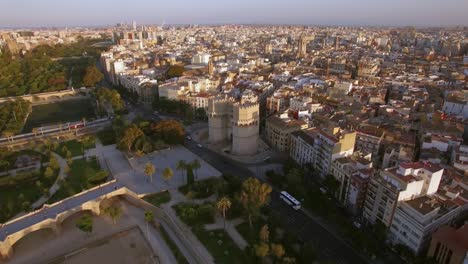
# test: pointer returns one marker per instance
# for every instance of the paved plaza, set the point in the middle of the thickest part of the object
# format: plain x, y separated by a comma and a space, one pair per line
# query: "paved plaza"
137, 181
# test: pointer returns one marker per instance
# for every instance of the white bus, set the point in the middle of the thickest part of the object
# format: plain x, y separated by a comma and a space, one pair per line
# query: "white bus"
290, 200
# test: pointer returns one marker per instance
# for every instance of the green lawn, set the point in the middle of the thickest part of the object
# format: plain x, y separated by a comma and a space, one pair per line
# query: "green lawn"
158, 198
80, 178
221, 246
18, 193
76, 147
217, 242
59, 112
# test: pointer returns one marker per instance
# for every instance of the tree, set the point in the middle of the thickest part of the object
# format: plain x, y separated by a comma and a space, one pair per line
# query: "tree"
277, 250
196, 166
49, 172
115, 212
150, 170
53, 163
181, 166
289, 260
129, 136
149, 217
170, 131
190, 178
264, 234
85, 223
167, 174
223, 205
175, 71
294, 177
254, 195
92, 76
64, 150
262, 250
200, 113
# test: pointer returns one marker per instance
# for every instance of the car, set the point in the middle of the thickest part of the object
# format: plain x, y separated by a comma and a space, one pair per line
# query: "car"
357, 224
189, 138
199, 145
267, 159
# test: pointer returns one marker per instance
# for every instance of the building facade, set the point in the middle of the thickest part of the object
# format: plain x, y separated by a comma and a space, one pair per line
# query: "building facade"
397, 184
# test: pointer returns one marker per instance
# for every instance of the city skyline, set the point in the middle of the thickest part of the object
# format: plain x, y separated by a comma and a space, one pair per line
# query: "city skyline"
51, 13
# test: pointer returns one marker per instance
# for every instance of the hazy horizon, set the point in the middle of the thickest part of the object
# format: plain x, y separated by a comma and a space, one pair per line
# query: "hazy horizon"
55, 13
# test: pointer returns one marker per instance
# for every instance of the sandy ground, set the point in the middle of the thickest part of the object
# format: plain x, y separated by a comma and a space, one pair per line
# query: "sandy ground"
125, 247
103, 245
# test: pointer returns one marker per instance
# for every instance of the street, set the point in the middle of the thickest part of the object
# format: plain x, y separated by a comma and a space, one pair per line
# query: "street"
327, 245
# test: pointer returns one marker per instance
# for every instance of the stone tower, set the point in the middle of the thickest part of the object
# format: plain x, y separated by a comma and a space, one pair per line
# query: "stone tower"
245, 128
234, 122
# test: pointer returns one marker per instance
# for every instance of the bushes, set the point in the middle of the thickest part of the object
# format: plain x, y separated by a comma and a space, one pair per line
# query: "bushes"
158, 199
107, 137
194, 214
202, 189
19, 178
98, 178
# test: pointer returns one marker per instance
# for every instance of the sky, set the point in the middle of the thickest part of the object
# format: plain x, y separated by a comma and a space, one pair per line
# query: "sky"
35, 13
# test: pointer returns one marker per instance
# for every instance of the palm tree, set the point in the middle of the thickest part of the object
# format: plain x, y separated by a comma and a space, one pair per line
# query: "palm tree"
167, 174
181, 166
149, 217
223, 205
196, 165
150, 170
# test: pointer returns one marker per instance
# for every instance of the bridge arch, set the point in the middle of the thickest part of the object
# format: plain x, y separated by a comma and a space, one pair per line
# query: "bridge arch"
55, 222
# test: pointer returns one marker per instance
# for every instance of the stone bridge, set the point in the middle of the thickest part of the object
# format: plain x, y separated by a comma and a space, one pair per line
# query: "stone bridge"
52, 216
44, 97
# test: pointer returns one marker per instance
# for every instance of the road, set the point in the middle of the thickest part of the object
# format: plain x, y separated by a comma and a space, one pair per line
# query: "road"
308, 229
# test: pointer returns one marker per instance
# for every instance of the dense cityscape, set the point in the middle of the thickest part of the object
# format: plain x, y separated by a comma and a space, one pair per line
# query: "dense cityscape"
234, 144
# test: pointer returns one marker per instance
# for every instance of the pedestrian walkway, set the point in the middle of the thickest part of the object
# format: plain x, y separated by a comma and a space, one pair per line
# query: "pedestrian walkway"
230, 229
13, 172
61, 176
177, 197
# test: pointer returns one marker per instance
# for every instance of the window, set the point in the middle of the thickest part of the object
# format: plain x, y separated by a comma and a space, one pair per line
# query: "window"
449, 256
436, 252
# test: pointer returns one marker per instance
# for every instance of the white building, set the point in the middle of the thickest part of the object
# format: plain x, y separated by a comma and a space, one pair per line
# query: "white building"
201, 59
299, 103
402, 183
455, 107
460, 157
319, 148
415, 220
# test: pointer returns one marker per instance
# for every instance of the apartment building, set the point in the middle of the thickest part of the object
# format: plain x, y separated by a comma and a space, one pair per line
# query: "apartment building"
369, 140
460, 158
449, 245
278, 130
275, 103
396, 184
319, 148
141, 85
415, 220
353, 174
